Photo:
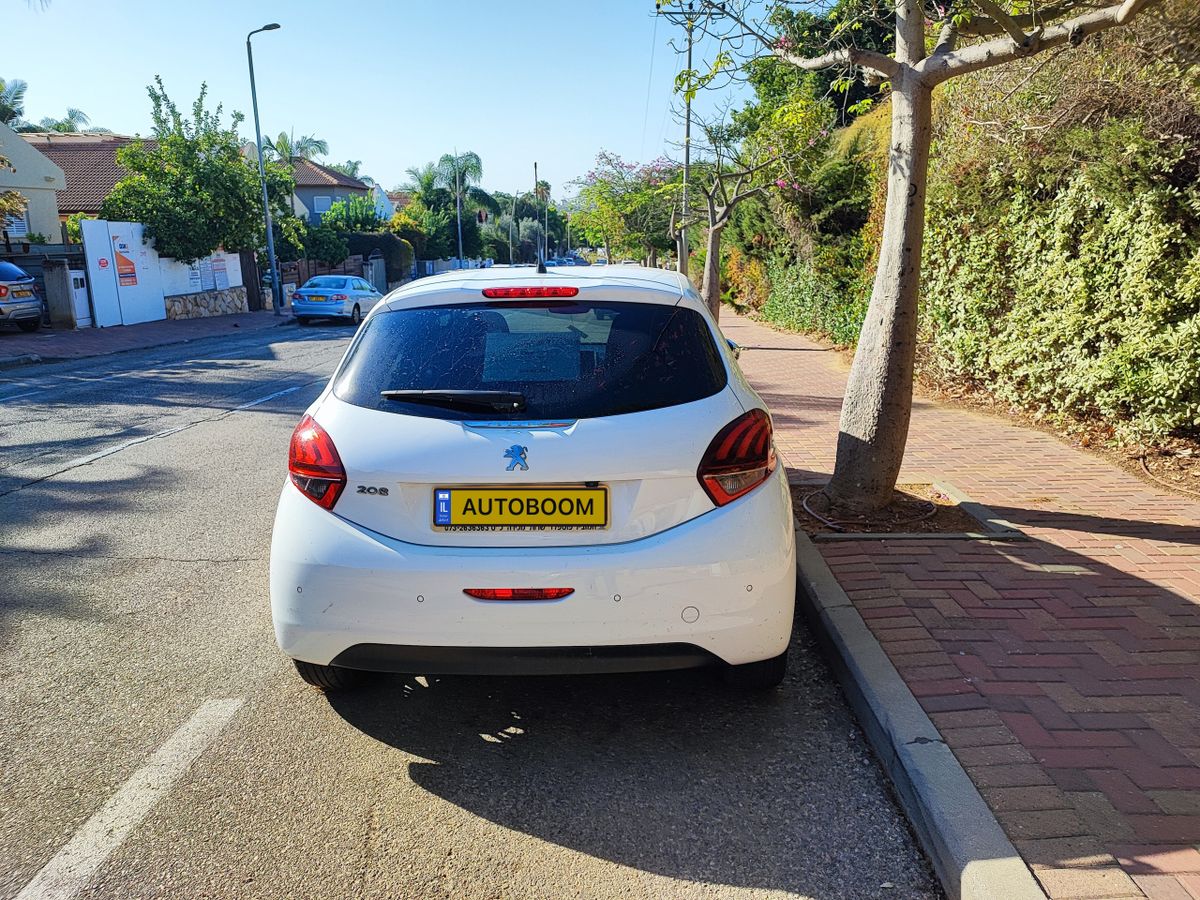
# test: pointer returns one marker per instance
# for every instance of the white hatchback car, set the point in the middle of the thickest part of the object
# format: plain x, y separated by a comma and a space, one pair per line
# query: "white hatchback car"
523, 473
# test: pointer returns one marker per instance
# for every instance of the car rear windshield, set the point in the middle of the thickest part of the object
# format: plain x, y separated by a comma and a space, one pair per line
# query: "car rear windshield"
327, 282
9, 272
567, 360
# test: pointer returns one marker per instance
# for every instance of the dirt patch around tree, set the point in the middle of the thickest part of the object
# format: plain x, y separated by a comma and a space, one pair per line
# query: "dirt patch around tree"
915, 509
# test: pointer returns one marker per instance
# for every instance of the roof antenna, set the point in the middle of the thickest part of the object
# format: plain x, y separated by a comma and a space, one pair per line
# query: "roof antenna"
541, 267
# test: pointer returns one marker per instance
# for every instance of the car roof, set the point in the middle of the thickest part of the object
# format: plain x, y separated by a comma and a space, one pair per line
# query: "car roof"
618, 283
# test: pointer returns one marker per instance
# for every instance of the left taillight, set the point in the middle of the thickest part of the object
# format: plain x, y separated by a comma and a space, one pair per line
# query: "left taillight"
739, 459
314, 465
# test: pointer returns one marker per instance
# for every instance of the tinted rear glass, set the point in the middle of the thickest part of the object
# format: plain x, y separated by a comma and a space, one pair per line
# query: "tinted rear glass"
325, 281
570, 360
9, 272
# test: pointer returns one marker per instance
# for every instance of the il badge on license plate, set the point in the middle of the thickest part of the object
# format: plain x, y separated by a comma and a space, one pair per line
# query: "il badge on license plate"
520, 509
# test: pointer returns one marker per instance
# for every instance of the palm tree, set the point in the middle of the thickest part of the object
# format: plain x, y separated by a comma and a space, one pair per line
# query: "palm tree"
75, 120
12, 101
542, 191
288, 147
423, 181
460, 175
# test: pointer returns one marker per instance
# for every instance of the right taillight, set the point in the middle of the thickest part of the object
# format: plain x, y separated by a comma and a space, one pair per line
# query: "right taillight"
739, 459
314, 465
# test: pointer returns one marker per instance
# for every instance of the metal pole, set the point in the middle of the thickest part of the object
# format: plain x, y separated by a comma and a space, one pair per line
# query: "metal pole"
687, 159
276, 287
512, 221
540, 252
458, 207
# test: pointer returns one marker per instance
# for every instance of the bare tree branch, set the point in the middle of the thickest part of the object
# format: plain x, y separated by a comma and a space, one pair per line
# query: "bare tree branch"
1129, 9
981, 26
947, 40
1004, 20
936, 69
868, 59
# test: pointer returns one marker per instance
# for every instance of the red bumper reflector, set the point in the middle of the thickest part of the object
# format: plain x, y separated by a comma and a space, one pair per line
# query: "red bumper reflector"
518, 593
505, 293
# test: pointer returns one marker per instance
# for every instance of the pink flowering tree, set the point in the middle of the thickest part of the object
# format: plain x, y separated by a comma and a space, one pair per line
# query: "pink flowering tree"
627, 206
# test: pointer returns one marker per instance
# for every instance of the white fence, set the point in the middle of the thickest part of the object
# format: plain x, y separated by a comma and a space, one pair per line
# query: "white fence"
130, 282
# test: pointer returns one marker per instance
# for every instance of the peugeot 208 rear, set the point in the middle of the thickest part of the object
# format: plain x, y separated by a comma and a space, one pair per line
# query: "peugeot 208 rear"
519, 473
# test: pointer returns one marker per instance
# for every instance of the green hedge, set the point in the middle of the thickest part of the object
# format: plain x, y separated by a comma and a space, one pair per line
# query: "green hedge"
397, 252
1080, 301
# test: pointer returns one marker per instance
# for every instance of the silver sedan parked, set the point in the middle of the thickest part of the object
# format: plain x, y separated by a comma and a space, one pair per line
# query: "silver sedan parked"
20, 304
334, 297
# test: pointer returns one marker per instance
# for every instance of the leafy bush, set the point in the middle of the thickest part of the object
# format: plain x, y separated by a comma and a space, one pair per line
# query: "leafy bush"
805, 299
325, 245
745, 279
397, 253
1083, 301
355, 213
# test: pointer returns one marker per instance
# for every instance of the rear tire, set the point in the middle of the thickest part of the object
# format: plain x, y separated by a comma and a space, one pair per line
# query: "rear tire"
29, 324
303, 320
328, 678
758, 676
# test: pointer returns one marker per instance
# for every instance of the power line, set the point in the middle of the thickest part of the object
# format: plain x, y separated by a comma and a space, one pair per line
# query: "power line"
649, 83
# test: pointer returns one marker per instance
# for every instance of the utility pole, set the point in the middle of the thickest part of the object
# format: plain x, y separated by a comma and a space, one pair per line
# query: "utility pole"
689, 21
458, 207
276, 287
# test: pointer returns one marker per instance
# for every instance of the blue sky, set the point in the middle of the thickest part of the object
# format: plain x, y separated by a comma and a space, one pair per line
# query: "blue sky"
394, 84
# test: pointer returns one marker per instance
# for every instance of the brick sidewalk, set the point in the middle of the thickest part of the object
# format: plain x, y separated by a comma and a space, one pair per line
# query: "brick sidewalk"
1063, 672
53, 344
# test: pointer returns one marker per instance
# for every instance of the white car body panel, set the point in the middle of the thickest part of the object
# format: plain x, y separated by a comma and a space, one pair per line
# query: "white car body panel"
375, 571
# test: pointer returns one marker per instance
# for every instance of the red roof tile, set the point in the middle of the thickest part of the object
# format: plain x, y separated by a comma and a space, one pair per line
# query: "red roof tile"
90, 168
311, 174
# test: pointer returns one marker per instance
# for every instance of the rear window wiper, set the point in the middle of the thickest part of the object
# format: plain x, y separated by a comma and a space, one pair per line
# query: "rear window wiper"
494, 401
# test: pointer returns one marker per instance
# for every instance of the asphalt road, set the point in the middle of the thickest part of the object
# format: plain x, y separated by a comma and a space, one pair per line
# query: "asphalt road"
155, 743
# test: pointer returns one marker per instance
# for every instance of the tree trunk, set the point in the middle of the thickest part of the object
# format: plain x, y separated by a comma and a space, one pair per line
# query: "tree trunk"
878, 402
652, 259
710, 286
607, 252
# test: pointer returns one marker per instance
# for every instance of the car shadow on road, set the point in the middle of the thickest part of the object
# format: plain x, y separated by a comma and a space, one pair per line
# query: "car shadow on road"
672, 774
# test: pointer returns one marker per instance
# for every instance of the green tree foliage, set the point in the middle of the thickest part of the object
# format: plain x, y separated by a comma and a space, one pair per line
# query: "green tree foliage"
192, 188
355, 213
409, 228
324, 244
627, 206
397, 253
12, 101
287, 146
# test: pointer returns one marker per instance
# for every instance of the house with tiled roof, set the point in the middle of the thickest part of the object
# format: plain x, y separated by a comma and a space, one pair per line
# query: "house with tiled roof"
88, 162
318, 187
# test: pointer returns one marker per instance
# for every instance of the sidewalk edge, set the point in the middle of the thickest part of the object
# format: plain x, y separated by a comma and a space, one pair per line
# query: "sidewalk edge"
29, 359
971, 855
23, 359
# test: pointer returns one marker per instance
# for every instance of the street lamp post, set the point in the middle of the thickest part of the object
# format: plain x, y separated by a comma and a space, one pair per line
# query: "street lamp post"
276, 288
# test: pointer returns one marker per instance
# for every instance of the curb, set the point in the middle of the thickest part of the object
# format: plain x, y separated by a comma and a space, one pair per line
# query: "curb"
970, 853
25, 359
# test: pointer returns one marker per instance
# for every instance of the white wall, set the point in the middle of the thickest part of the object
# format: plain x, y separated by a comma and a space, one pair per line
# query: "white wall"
204, 275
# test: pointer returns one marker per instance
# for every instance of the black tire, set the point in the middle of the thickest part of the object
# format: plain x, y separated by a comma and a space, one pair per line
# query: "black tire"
29, 324
356, 316
758, 676
328, 678
303, 320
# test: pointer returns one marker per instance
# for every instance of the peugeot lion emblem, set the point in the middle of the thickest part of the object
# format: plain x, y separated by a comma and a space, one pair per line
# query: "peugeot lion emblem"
516, 457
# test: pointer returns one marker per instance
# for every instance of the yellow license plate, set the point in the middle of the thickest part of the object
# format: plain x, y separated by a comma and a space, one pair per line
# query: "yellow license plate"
22, 293
520, 509
318, 299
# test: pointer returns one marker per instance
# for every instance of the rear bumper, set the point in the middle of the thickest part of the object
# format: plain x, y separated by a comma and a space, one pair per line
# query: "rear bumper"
523, 660
317, 310
723, 585
19, 311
